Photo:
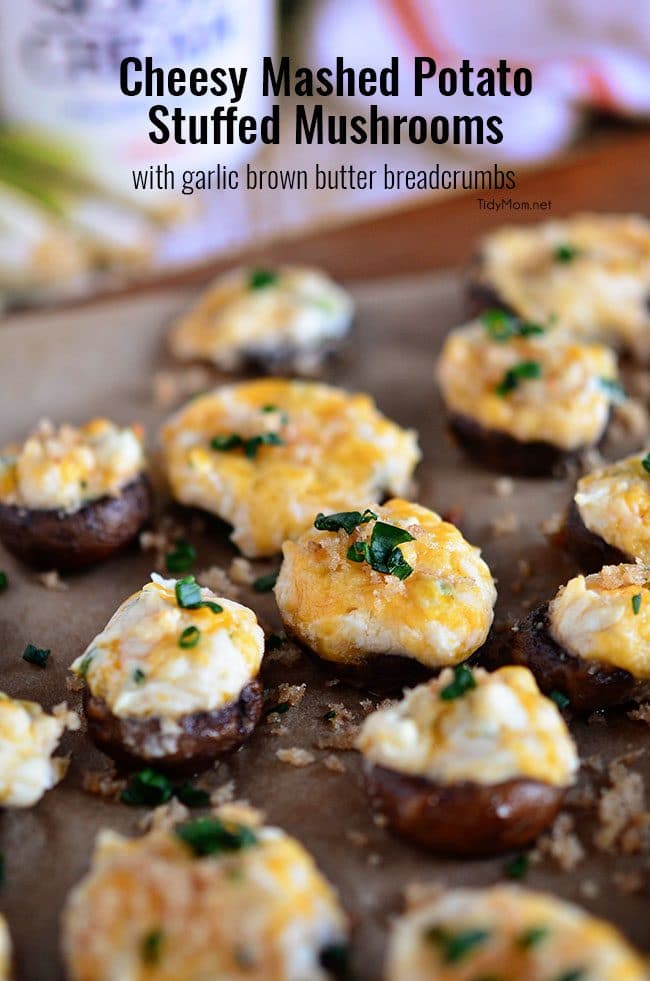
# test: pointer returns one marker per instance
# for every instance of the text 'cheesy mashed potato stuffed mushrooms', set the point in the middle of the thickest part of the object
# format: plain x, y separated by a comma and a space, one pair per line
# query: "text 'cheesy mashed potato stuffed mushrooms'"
71, 496
506, 932
591, 643
267, 455
374, 589
609, 518
277, 321
590, 272
220, 897
522, 397
173, 677
28, 738
470, 763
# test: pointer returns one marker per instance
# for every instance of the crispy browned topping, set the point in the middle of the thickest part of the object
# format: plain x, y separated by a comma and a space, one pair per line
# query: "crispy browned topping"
295, 756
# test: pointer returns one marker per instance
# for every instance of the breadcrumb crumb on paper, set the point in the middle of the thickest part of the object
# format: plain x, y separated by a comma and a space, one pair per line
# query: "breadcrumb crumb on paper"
561, 844
641, 713
67, 715
504, 486
295, 756
103, 783
624, 821
164, 817
52, 580
334, 764
241, 571
223, 794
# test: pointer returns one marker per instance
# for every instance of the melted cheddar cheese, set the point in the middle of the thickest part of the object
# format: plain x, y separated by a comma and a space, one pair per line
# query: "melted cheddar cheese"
329, 447
567, 405
346, 611
293, 310
606, 618
614, 502
28, 737
600, 290
502, 729
63, 469
263, 913
517, 934
141, 669
5, 951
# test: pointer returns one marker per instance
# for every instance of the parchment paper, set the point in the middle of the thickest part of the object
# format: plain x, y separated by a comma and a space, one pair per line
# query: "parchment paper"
102, 359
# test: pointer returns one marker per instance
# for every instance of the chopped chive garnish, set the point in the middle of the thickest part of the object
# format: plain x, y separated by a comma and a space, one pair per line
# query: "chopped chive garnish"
147, 788
4, 581
274, 408
561, 700
576, 974
512, 377
250, 446
463, 682
192, 796
181, 558
517, 867
138, 676
502, 326
565, 253
383, 551
210, 836
358, 552
613, 388
189, 637
454, 947
188, 593
278, 709
636, 603
531, 937
209, 605
261, 278
225, 443
36, 655
264, 584
645, 463
151, 947
82, 670
343, 520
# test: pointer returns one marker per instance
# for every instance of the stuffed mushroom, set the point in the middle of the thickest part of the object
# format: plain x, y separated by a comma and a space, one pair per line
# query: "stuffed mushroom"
72, 496
385, 594
173, 678
506, 932
589, 272
286, 320
28, 738
522, 398
220, 897
267, 455
591, 644
470, 763
608, 521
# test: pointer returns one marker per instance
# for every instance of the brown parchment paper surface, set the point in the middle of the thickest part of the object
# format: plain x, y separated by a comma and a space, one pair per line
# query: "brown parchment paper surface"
102, 359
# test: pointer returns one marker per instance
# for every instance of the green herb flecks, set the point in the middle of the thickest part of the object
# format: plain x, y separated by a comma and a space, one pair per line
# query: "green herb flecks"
138, 676
148, 787
151, 948
636, 604
181, 558
517, 867
36, 655
189, 637
344, 520
613, 388
463, 682
565, 252
210, 836
561, 700
502, 326
645, 463
278, 709
192, 796
531, 937
455, 947
4, 581
82, 670
523, 371
188, 596
575, 974
264, 584
259, 279
250, 446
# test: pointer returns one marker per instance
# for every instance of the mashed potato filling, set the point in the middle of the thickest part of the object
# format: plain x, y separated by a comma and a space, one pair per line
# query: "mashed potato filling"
28, 737
265, 312
499, 728
606, 617
542, 386
156, 658
507, 932
67, 467
591, 272
267, 455
347, 611
258, 910
614, 502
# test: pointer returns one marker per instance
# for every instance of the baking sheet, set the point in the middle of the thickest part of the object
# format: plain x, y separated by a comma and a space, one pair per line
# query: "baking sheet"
69, 366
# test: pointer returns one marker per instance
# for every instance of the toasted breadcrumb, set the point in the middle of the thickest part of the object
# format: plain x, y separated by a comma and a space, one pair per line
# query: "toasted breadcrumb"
241, 571
68, 715
295, 756
358, 838
421, 893
504, 486
380, 820
629, 882
374, 859
334, 764
553, 524
624, 820
218, 580
286, 654
589, 888
641, 713
74, 683
103, 783
337, 716
293, 694
631, 419
171, 387
241, 812
562, 844
505, 524
367, 705
52, 580
164, 817
223, 794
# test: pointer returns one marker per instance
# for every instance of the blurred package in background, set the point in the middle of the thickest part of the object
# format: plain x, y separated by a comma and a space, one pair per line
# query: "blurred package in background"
69, 220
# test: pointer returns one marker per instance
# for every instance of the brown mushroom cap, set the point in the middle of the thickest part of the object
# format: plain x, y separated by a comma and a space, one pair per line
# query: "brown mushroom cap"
53, 539
591, 551
198, 740
464, 819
